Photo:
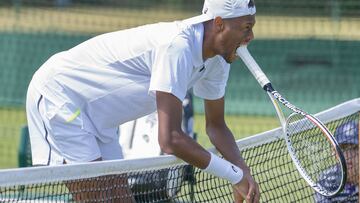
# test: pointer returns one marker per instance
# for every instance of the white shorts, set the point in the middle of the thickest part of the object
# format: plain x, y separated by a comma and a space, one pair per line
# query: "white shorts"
57, 135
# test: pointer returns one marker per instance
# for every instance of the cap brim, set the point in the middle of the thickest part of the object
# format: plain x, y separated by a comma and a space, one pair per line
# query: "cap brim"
197, 19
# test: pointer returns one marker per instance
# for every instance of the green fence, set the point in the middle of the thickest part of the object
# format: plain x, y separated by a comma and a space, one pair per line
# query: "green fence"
314, 73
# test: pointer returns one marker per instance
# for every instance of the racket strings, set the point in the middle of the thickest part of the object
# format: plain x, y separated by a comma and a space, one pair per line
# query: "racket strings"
314, 152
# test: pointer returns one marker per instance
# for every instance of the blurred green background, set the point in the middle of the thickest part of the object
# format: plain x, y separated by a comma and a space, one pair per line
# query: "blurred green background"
309, 49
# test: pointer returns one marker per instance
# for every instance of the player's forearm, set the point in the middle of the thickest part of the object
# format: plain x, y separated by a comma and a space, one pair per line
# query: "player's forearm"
172, 139
224, 141
187, 149
182, 146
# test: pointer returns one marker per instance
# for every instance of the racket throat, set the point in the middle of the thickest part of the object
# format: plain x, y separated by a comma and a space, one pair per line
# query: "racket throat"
275, 94
279, 112
268, 87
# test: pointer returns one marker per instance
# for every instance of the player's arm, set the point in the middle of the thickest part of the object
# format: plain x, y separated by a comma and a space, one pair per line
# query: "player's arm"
224, 141
220, 135
172, 139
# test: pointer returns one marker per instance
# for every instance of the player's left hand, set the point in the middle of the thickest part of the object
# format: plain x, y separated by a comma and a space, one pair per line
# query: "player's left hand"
247, 189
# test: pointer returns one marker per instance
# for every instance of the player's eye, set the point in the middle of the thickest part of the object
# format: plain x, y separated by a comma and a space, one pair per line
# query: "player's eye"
248, 28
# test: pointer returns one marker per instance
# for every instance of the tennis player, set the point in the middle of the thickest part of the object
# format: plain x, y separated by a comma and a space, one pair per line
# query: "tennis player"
347, 136
78, 98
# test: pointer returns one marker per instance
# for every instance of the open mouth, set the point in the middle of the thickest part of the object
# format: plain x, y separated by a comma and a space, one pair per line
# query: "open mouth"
235, 53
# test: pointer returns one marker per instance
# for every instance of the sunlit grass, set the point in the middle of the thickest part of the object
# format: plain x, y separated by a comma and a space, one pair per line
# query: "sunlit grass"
12, 119
241, 126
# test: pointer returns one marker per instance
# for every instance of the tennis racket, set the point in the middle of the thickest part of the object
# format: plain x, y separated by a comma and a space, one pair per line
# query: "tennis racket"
313, 149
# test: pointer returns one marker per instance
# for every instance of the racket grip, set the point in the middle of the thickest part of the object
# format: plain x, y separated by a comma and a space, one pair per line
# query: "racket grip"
251, 64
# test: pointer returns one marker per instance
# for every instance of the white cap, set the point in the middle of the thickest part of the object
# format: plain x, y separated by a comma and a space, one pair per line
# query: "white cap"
223, 9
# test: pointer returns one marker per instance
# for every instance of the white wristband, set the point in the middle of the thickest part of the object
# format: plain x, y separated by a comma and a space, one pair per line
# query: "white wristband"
224, 169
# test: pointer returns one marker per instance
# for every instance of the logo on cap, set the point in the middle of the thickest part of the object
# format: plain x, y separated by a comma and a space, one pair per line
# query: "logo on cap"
251, 4
205, 10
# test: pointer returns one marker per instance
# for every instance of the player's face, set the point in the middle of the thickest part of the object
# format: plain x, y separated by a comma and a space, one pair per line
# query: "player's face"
351, 154
236, 32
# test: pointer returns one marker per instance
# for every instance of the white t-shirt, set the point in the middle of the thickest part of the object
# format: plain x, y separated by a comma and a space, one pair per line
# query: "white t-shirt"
112, 78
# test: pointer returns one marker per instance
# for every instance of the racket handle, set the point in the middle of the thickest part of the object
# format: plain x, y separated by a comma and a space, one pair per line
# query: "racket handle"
251, 64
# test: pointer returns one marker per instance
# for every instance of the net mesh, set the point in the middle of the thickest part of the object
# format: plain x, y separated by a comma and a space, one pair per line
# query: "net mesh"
269, 160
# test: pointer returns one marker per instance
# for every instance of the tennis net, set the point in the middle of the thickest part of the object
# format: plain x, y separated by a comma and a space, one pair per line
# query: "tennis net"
168, 179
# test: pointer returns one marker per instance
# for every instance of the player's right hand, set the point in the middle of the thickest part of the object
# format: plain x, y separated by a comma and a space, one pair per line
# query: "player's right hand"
247, 189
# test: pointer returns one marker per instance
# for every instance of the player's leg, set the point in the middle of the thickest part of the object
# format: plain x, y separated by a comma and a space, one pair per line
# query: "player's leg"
117, 184
56, 139
40, 148
43, 153
111, 188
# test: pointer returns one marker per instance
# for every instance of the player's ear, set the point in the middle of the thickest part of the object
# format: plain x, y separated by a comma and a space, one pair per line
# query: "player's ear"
218, 24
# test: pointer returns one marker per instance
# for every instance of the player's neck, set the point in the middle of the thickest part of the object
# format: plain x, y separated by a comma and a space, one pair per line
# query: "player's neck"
208, 50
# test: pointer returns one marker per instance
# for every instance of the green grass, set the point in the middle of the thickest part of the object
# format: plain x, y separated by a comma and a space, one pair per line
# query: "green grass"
12, 119
241, 126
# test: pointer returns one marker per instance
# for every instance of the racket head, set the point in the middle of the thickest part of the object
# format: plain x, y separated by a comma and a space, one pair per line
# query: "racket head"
315, 153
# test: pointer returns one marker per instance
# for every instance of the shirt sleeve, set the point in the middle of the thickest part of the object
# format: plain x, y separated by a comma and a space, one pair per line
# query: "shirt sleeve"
171, 69
212, 85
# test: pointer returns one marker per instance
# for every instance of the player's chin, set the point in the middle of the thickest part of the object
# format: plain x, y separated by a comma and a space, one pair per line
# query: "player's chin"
231, 57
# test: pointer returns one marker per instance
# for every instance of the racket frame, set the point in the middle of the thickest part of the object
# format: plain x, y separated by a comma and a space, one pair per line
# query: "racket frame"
277, 98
